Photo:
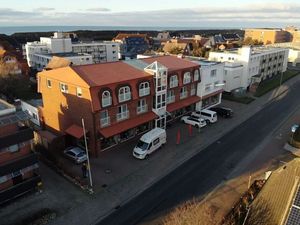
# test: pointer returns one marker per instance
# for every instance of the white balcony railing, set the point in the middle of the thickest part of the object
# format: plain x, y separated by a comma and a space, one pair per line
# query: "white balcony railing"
142, 109
106, 101
171, 99
173, 83
183, 94
144, 91
105, 121
123, 115
124, 97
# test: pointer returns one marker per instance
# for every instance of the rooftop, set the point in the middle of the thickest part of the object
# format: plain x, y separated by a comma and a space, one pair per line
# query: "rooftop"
64, 54
6, 108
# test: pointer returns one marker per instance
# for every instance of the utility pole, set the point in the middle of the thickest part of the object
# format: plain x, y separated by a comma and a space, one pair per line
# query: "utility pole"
88, 158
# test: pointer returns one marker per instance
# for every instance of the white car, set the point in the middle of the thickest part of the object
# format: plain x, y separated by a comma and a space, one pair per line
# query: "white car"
208, 115
194, 121
76, 154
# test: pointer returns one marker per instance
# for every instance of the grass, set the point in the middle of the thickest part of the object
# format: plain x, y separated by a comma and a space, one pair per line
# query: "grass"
243, 99
271, 84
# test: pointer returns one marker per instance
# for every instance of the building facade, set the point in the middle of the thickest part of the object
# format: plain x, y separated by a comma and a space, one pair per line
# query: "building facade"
39, 52
259, 63
117, 100
268, 36
18, 164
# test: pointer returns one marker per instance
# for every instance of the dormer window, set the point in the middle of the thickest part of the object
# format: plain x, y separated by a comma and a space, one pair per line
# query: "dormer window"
187, 78
196, 75
144, 89
106, 99
124, 94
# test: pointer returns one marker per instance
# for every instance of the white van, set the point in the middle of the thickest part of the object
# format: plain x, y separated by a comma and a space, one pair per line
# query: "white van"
150, 142
208, 115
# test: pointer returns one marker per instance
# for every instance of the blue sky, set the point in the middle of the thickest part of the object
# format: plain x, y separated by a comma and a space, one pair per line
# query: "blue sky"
218, 13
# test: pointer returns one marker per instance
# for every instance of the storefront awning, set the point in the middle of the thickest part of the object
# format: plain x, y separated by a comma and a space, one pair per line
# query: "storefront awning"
183, 103
127, 124
75, 131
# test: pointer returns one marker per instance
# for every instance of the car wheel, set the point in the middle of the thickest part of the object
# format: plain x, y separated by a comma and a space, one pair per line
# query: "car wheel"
207, 122
197, 126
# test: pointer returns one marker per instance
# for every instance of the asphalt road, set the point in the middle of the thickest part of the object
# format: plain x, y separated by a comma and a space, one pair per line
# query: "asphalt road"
199, 175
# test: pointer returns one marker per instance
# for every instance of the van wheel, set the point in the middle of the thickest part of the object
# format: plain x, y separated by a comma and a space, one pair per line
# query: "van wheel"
208, 122
197, 126
147, 156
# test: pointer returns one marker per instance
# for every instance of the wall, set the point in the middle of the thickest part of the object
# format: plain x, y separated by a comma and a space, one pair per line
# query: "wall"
233, 73
32, 111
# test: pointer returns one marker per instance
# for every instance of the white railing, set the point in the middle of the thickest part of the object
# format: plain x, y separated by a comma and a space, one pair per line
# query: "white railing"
124, 97
173, 83
122, 115
171, 99
142, 109
106, 101
105, 121
183, 94
144, 91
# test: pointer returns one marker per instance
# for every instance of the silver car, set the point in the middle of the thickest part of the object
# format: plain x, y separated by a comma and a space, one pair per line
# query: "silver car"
76, 154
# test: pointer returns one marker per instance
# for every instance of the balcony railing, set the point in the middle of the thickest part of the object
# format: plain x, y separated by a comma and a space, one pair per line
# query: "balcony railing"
124, 97
171, 99
122, 115
144, 91
142, 109
183, 95
105, 121
106, 101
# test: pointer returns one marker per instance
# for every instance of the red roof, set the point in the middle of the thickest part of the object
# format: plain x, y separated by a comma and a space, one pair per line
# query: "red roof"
172, 62
75, 131
124, 35
183, 103
127, 124
102, 74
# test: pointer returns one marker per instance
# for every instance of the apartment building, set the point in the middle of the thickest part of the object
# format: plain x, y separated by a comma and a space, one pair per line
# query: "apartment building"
130, 45
18, 164
117, 100
39, 52
259, 63
268, 35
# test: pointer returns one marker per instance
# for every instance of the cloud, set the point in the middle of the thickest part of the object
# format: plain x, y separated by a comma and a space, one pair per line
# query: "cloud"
98, 9
45, 9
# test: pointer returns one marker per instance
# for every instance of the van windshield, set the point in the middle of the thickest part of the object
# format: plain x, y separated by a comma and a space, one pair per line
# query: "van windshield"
142, 145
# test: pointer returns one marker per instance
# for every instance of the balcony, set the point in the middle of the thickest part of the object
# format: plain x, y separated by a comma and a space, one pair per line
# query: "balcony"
22, 135
183, 94
122, 115
124, 97
170, 99
142, 109
144, 91
104, 122
106, 101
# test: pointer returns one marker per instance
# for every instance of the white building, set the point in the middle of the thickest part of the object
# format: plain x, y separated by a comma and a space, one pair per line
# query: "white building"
233, 73
31, 108
59, 44
258, 63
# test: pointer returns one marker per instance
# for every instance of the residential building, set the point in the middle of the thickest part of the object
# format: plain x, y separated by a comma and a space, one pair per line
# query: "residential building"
117, 100
39, 52
18, 164
259, 63
31, 107
9, 63
294, 51
268, 35
182, 46
130, 45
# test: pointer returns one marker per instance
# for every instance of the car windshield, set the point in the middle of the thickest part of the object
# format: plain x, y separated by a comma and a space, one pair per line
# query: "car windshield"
142, 145
80, 154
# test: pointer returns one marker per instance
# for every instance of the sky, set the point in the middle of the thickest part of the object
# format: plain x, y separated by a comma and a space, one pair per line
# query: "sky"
163, 13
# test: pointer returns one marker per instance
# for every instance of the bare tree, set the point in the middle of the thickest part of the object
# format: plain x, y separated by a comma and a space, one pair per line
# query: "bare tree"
260, 214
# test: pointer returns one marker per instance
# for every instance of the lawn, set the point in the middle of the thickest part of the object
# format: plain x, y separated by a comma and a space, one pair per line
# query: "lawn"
271, 84
242, 99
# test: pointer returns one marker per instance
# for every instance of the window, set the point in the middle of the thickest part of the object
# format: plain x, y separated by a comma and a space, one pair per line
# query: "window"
183, 92
13, 148
170, 96
161, 101
104, 118
123, 112
49, 84
193, 89
124, 94
142, 106
213, 73
79, 92
156, 141
144, 89
106, 99
173, 81
63, 87
196, 75
187, 78
207, 87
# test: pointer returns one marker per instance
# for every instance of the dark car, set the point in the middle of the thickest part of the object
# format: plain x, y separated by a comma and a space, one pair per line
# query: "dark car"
223, 112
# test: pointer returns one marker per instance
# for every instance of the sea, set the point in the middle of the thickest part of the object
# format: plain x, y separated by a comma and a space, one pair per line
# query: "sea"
8, 30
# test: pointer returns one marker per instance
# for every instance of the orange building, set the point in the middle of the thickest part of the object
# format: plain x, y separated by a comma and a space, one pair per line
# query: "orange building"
115, 99
268, 36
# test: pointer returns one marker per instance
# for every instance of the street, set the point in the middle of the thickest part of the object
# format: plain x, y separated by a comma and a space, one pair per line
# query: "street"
199, 175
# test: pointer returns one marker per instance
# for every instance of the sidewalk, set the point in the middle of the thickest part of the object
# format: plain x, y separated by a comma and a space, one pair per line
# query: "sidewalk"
124, 177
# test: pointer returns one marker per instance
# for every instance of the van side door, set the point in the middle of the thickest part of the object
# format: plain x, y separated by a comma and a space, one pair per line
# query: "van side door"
156, 144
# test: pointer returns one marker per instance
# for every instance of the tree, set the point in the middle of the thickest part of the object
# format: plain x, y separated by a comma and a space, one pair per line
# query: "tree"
176, 50
250, 41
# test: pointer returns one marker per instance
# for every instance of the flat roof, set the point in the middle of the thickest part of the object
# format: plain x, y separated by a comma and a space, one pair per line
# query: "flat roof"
64, 54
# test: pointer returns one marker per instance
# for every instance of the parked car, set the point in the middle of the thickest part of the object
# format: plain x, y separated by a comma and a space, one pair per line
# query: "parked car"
194, 121
294, 128
76, 154
208, 115
150, 142
223, 112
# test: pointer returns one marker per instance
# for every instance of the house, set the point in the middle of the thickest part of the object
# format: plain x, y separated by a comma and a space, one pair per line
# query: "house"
278, 201
18, 164
130, 45
9, 63
267, 35
39, 53
259, 63
117, 100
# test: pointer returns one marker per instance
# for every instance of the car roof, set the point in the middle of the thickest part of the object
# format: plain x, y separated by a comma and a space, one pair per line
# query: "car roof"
76, 150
